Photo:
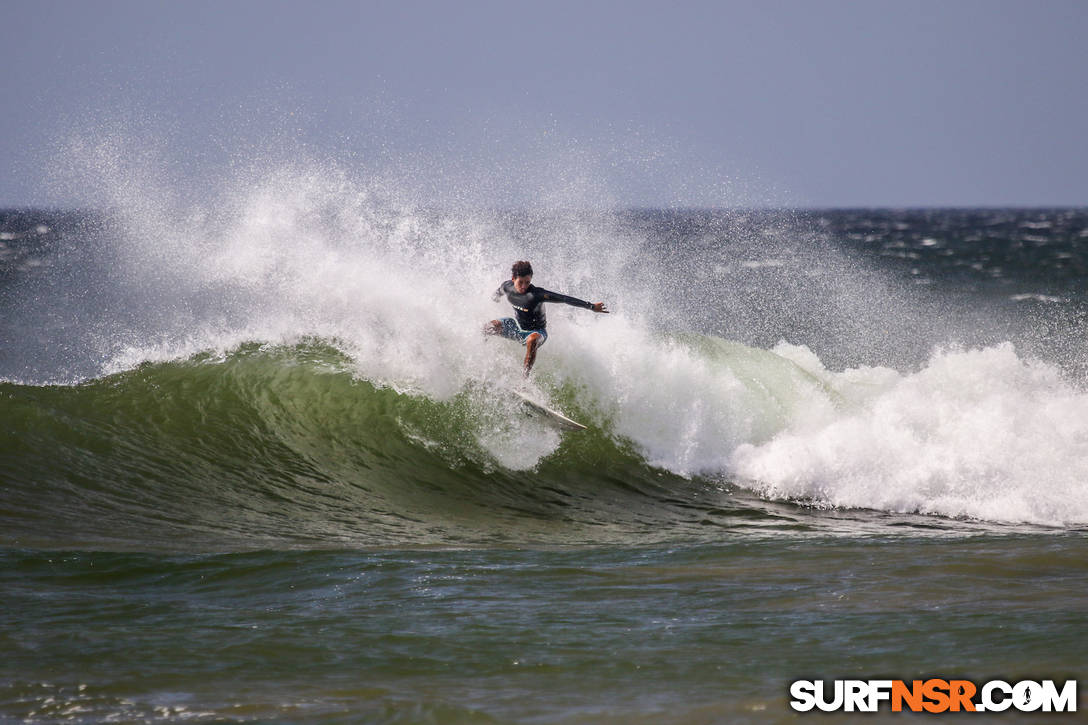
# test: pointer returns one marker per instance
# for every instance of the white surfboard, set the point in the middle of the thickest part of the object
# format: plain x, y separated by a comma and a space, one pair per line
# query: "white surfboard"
554, 417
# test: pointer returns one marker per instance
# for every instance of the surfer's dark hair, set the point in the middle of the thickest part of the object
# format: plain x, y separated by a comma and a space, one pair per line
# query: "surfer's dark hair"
522, 269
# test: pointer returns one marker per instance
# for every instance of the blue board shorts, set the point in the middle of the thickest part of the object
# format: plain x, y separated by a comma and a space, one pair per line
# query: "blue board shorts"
512, 331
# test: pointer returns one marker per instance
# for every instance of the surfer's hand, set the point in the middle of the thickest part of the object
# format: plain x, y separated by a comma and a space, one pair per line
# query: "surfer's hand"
599, 307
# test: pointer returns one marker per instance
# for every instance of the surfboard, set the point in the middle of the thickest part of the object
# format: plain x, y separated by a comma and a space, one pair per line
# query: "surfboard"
551, 416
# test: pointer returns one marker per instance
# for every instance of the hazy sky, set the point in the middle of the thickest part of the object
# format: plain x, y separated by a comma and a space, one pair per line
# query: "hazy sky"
808, 103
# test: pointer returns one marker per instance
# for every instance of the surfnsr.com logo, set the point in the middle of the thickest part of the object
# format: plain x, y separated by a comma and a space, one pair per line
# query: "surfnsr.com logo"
933, 696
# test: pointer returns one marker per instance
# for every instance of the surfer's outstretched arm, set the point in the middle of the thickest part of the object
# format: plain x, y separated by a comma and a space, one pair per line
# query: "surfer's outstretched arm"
549, 296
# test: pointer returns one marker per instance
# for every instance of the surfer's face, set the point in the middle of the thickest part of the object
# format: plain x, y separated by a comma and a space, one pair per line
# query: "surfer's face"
521, 284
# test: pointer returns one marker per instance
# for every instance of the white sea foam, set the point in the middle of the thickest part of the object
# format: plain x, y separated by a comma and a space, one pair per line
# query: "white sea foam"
1033, 297
979, 433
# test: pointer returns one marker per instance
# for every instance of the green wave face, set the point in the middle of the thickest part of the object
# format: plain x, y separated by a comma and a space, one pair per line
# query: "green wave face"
274, 446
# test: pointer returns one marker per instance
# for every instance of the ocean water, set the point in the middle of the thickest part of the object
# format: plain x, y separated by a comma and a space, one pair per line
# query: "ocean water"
259, 464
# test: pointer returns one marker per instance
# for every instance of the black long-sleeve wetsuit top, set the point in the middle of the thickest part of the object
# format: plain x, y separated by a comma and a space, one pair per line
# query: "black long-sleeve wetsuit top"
529, 307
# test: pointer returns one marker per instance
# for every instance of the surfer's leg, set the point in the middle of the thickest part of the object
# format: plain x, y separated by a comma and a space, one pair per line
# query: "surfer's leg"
531, 344
493, 328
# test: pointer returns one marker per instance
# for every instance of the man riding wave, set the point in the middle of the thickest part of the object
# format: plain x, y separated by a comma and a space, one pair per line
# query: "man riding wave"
529, 324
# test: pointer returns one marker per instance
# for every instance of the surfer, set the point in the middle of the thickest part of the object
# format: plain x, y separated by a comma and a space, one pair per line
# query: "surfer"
528, 326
